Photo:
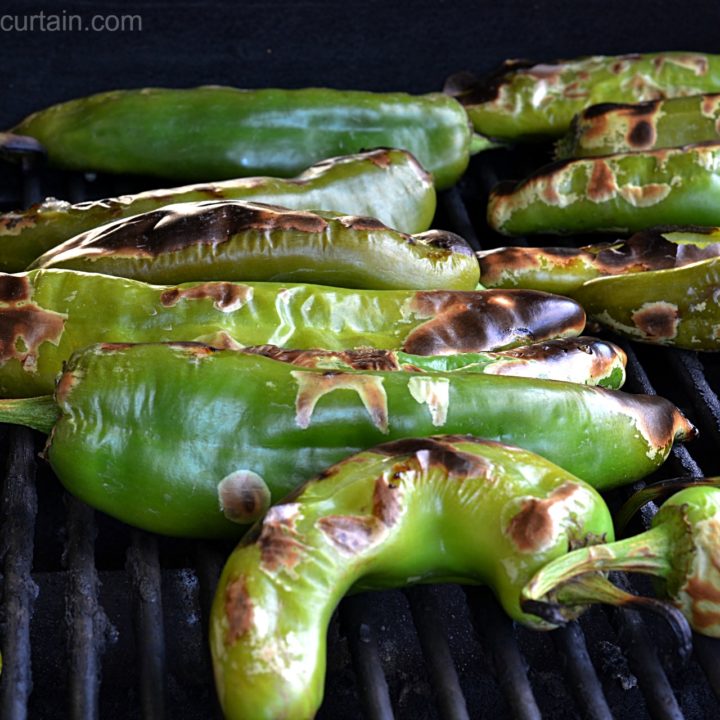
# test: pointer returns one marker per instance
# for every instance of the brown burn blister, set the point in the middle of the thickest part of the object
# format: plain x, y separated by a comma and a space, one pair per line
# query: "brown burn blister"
657, 321
226, 296
446, 241
23, 329
703, 593
14, 288
602, 185
532, 528
488, 320
352, 534
238, 610
278, 541
360, 359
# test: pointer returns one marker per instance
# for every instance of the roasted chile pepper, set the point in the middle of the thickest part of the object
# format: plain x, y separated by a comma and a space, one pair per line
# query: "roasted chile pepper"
239, 240
45, 315
681, 550
523, 100
580, 359
387, 184
658, 287
487, 513
187, 440
214, 133
615, 193
633, 127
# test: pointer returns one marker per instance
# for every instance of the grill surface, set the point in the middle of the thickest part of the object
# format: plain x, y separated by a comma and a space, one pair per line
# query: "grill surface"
99, 620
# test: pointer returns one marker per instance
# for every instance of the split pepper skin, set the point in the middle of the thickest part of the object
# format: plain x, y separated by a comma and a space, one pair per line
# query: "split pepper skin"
186, 440
634, 127
488, 514
46, 315
215, 133
386, 184
523, 100
583, 360
614, 193
681, 550
239, 240
657, 287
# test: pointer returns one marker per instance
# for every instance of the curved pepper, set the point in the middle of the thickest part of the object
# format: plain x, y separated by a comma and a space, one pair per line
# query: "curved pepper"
387, 184
627, 192
186, 440
658, 287
45, 315
212, 133
620, 128
523, 100
487, 513
583, 360
238, 240
681, 550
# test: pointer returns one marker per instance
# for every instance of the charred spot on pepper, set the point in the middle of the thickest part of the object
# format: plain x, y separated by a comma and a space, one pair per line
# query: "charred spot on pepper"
278, 540
244, 496
444, 240
352, 534
602, 185
657, 320
226, 296
14, 288
386, 505
471, 90
641, 135
27, 326
361, 222
703, 593
238, 610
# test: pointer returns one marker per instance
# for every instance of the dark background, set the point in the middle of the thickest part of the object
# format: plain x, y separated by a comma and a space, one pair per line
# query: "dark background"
368, 45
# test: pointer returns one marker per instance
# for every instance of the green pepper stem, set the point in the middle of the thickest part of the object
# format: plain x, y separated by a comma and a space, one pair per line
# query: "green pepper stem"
649, 553
478, 143
39, 413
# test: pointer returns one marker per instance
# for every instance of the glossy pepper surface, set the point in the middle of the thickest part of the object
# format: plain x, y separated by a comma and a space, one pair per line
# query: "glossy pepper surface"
214, 133
239, 240
634, 127
658, 287
625, 192
487, 513
45, 315
523, 100
386, 184
681, 549
584, 360
186, 440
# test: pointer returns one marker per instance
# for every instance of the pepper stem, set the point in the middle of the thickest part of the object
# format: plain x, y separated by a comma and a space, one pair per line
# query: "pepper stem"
649, 552
39, 413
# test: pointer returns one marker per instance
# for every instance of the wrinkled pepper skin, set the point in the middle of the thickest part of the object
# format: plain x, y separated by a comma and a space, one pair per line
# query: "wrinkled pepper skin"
615, 193
657, 287
584, 360
186, 440
681, 549
487, 513
634, 127
386, 184
239, 240
46, 315
215, 133
522, 100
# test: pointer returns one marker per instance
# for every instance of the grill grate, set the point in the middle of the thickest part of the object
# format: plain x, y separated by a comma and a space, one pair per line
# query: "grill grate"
114, 623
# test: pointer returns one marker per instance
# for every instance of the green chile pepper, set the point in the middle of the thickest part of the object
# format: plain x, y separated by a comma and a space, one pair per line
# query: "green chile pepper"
45, 315
623, 193
387, 184
583, 360
238, 240
446, 508
681, 550
188, 440
213, 133
620, 128
658, 287
522, 100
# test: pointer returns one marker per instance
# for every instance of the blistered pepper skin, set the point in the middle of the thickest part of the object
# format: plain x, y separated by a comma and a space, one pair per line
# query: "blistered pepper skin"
213, 133
657, 287
46, 315
240, 240
487, 513
615, 193
222, 433
386, 184
523, 100
637, 127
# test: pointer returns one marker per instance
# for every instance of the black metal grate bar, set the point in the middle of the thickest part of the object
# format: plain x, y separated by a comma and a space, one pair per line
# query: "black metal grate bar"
143, 566
425, 611
359, 625
19, 592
